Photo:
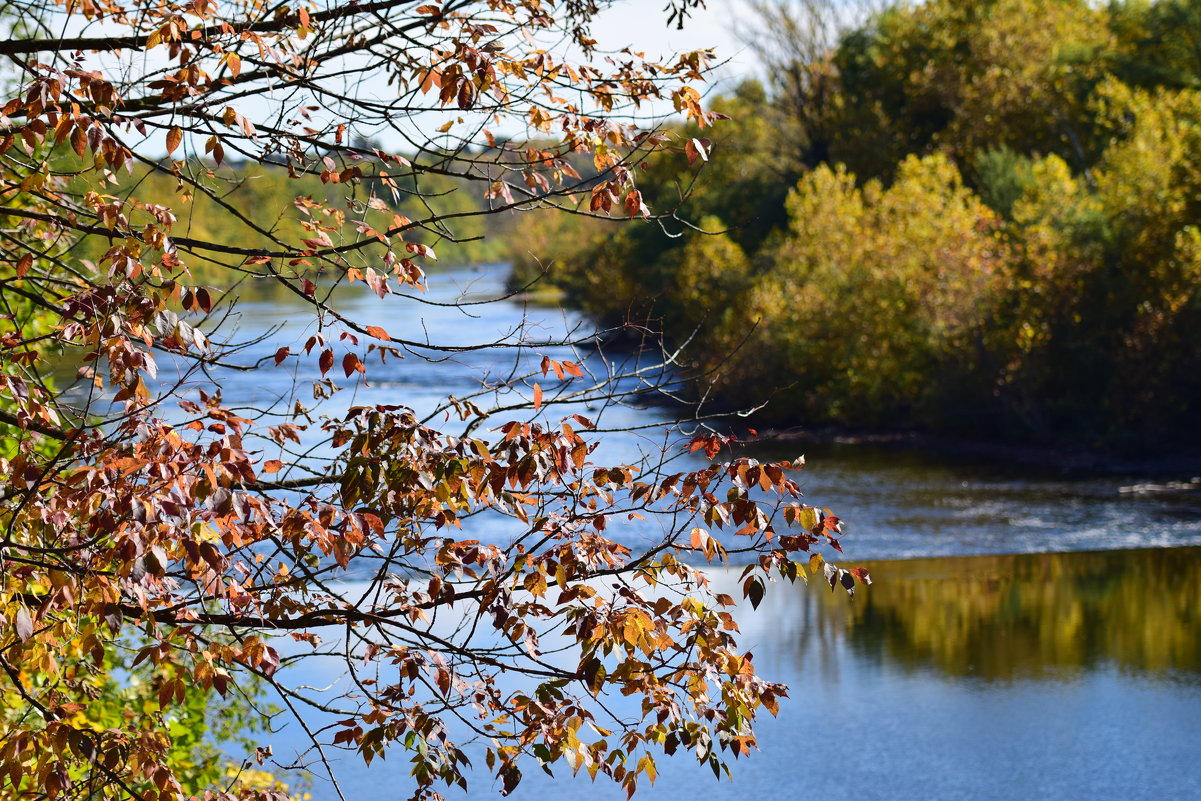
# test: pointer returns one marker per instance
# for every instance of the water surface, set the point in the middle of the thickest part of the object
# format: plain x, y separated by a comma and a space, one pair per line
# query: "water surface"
1048, 676
1050, 651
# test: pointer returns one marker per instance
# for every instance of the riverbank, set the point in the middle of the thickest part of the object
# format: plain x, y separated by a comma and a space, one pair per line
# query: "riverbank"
1181, 468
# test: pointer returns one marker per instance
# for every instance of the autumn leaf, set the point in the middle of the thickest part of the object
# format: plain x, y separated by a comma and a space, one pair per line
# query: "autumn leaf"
697, 149
23, 624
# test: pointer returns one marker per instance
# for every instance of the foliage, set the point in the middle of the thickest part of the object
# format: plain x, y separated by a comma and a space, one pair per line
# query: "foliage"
991, 224
877, 296
166, 554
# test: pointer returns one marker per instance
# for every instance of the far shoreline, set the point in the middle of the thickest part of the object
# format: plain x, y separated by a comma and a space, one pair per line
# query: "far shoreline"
1182, 466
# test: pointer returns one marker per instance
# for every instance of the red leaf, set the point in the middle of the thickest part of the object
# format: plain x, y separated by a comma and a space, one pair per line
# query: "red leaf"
634, 205
282, 354
351, 363
326, 361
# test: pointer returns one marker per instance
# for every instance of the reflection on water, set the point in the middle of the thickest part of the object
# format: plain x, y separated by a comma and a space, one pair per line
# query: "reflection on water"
1027, 616
990, 678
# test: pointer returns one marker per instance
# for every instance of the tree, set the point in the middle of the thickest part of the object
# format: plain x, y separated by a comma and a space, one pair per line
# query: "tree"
157, 537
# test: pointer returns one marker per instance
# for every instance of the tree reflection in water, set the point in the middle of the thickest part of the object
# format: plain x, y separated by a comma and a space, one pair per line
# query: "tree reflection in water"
1020, 616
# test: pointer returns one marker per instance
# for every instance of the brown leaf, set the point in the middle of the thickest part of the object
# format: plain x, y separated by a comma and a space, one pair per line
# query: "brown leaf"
174, 137
79, 141
861, 574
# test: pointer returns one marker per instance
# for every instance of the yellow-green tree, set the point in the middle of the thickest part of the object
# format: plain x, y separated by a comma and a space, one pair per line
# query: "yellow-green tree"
877, 298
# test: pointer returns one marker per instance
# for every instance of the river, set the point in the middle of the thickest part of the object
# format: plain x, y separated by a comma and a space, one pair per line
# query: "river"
1028, 635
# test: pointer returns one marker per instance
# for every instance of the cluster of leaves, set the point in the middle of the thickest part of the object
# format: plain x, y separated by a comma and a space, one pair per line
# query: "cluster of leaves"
982, 218
109, 706
160, 544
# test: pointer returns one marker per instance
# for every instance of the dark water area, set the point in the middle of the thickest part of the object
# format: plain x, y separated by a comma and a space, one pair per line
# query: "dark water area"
1029, 635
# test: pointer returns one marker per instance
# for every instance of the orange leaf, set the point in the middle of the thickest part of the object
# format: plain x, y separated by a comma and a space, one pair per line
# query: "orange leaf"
377, 332
174, 137
79, 141
537, 397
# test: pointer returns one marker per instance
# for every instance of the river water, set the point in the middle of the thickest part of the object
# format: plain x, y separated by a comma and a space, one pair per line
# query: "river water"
1028, 636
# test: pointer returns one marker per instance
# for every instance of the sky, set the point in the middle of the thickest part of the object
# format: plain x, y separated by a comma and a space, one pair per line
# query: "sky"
645, 22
